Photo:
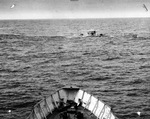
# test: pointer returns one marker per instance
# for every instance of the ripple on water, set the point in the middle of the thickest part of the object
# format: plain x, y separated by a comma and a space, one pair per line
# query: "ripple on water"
115, 69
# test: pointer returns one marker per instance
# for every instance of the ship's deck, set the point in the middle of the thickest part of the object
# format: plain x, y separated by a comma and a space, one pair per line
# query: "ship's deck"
71, 113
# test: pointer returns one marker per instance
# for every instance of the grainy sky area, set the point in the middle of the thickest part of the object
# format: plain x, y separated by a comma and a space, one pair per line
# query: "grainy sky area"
47, 9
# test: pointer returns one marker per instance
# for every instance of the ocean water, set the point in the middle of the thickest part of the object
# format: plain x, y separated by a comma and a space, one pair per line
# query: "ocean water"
37, 57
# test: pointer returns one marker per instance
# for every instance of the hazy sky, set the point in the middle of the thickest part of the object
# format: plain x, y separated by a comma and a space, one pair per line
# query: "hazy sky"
41, 9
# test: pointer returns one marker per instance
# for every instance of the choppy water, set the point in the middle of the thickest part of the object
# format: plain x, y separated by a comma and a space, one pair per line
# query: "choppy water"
38, 57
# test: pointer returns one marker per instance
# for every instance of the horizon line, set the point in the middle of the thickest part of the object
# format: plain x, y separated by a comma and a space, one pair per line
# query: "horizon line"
72, 18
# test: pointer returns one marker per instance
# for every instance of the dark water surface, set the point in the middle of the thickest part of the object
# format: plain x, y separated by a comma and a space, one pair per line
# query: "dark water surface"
115, 68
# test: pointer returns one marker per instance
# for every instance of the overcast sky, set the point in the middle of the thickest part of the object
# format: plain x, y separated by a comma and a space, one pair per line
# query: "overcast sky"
45, 9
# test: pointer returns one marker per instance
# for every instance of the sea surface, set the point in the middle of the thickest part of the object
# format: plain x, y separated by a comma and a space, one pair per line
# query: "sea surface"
38, 57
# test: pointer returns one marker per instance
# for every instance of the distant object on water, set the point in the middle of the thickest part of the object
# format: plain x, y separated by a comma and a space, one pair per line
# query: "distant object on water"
81, 34
71, 103
101, 35
93, 33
